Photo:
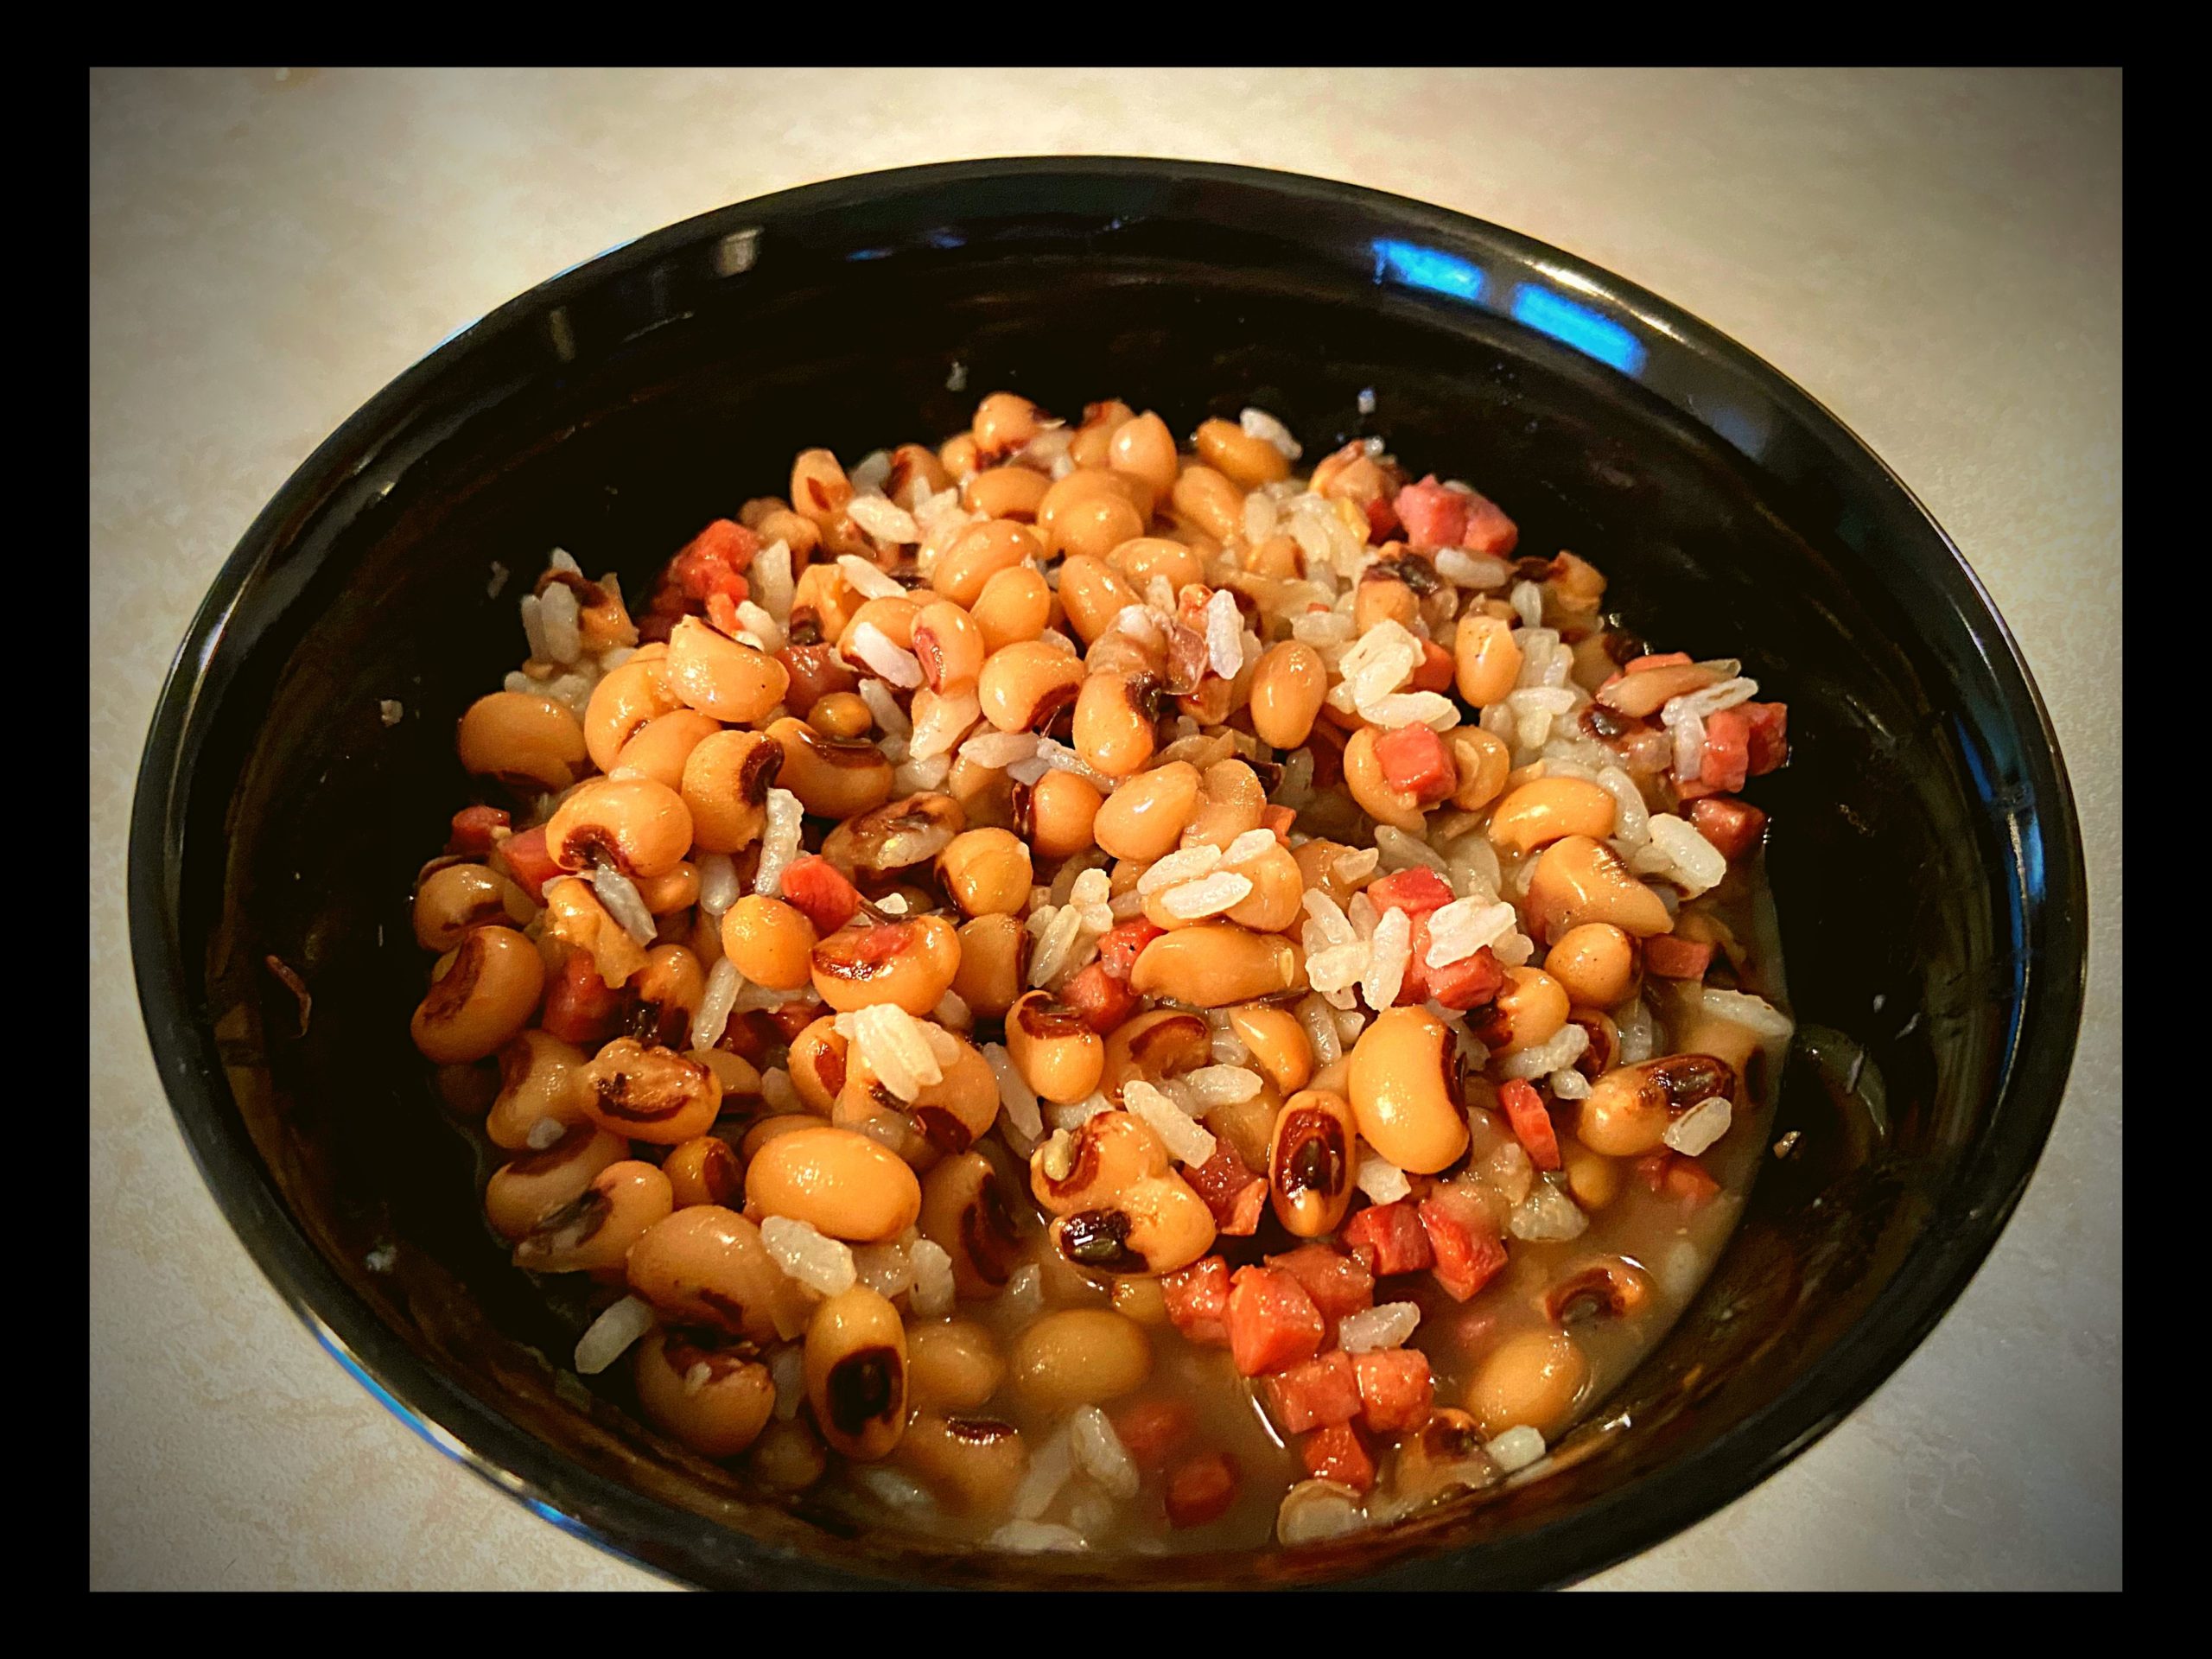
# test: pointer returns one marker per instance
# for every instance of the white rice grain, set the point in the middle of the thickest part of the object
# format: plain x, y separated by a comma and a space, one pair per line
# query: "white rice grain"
1387, 1324
890, 718
780, 836
887, 523
884, 1269
1700, 1126
1390, 951
1224, 628
723, 983
934, 1292
1381, 1180
1050, 1466
875, 648
1258, 424
1528, 599
1187, 1140
609, 1336
1209, 895
619, 895
1546, 1214
1099, 1451
772, 579
806, 1255
1566, 1046
1516, 1448
557, 612
718, 883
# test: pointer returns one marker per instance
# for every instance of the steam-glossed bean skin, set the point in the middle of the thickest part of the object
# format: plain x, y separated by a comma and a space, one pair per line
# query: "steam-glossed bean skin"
1114, 975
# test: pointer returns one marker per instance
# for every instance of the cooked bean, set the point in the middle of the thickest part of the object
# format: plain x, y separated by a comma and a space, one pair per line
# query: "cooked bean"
993, 963
486, 993
664, 743
945, 1116
522, 739
985, 872
912, 963
595, 1231
1014, 605
717, 675
788, 1457
771, 942
979, 553
1208, 499
857, 1373
842, 715
1544, 809
717, 1400
1594, 1178
1629, 1109
1144, 818
972, 1464
706, 1267
820, 490
574, 916
1481, 763
1311, 1161
1155, 1226
916, 474
541, 1078
1486, 662
816, 1064
703, 1170
668, 989
1025, 686
954, 1366
1530, 1008
1287, 686
1578, 880
641, 827
833, 778
453, 899
1091, 444
1145, 448
949, 646
1009, 493
1139, 560
1278, 892
1079, 1356
1053, 1046
1595, 964
739, 1076
1159, 1044
965, 1213
842, 1183
1280, 1048
524, 1190
763, 1130
625, 701
1216, 963
669, 891
1365, 781
1093, 595
1531, 1380
1113, 722
1004, 422
1057, 814
824, 599
1070, 501
650, 1093
1404, 1091
794, 529
1246, 460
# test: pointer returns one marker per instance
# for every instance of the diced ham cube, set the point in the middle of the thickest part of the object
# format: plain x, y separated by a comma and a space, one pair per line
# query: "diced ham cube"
475, 830
1673, 958
1122, 945
1198, 1300
1677, 1177
1337, 1453
1414, 762
1769, 735
1338, 1284
1273, 1322
1314, 1394
527, 860
1237, 1196
580, 1007
1488, 530
1200, 1490
1662, 660
1278, 820
818, 888
1389, 1238
1532, 1124
1153, 1430
1437, 670
1395, 1388
1433, 516
1103, 1001
1465, 1260
1726, 761
1732, 826
1471, 983
1417, 891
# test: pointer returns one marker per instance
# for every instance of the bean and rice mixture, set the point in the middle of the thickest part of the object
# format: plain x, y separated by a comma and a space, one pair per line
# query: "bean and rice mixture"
1081, 995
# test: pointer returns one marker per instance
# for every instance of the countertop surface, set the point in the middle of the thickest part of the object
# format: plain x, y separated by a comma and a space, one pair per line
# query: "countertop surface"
1934, 255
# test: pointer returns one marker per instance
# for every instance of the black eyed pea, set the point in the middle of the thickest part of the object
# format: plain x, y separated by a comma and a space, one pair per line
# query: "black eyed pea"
893, 618
1383, 596
911, 963
1025, 686
653, 1095
1055, 1048
668, 990
664, 744
972, 1464
486, 993
1010, 492
857, 1373
994, 962
703, 1170
1311, 1161
1246, 460
1143, 819
1288, 687
916, 474
1156, 1044
1141, 1300
1155, 1226
540, 1078
1603, 1288
458, 897
820, 490
1231, 805
1544, 809
524, 1190
1145, 448
1277, 898
842, 715
1578, 880
574, 916
985, 872
1115, 725
1485, 660
594, 1231
1094, 595
1530, 1008
948, 1114
891, 1129
771, 942
1015, 606
1207, 499
1004, 422
950, 647
1628, 1109
1602, 1050
1217, 963
1086, 1169
1093, 510
706, 1267
1280, 1048
788, 1457
1531, 1380
965, 1213
762, 1130
1481, 763
1595, 964
715, 674
1248, 1125
1594, 1179
952, 1365
1404, 1091
823, 598
1079, 1356
523, 739
624, 702
1138, 562
715, 1400
739, 1076
725, 787
979, 553
842, 1183
671, 891
1725, 1039
641, 827
1279, 557
833, 777
1371, 791
1056, 814
816, 1064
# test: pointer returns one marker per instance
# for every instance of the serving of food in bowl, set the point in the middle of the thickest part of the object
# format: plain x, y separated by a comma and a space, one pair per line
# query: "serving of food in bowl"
1167, 971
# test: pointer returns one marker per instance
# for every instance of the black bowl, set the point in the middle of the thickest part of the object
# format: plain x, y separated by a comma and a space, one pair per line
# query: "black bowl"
1926, 859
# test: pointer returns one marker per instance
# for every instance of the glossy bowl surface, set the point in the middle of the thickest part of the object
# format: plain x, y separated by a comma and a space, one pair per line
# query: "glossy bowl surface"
1926, 859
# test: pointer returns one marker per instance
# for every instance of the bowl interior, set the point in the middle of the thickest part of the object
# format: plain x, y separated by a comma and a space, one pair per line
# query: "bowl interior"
1922, 834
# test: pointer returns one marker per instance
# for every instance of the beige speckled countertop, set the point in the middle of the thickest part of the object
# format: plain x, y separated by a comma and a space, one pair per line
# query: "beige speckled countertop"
1934, 256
